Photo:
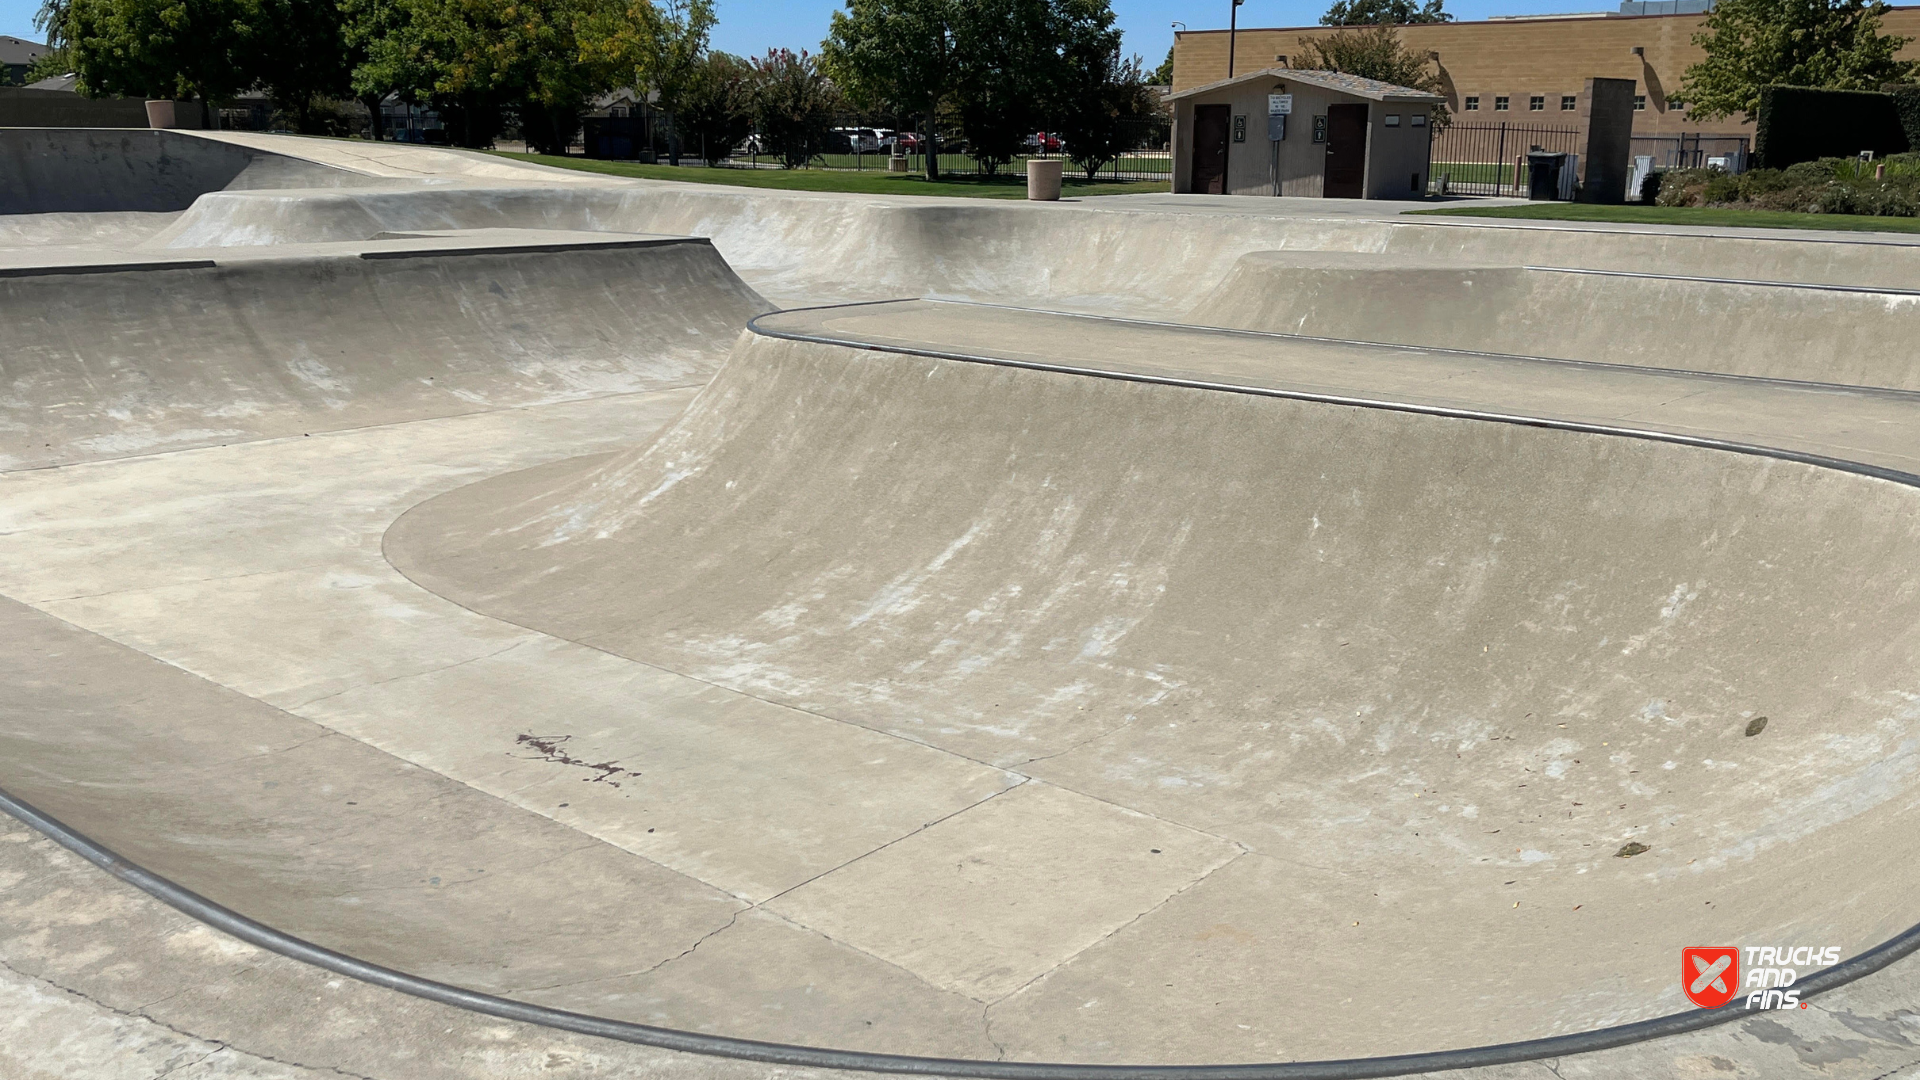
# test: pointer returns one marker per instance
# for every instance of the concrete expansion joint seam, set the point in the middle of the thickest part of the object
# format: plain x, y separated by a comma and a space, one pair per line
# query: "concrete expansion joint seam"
141, 1015
266, 937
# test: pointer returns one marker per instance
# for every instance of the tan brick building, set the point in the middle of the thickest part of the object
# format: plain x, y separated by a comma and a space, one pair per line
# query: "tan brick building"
1523, 70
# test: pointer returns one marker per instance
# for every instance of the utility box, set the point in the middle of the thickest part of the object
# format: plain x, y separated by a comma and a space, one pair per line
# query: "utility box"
1544, 171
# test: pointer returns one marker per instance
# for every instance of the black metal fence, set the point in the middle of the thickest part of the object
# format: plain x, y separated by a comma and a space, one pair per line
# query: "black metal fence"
1490, 159
1145, 154
1695, 151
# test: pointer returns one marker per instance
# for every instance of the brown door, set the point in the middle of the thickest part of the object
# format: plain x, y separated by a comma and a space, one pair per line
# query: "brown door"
1346, 152
1210, 149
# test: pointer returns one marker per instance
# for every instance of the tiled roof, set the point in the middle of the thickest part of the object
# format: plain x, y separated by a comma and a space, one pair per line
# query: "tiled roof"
1331, 80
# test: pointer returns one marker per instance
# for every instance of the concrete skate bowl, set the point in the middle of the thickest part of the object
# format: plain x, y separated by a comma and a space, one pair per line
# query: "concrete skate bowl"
111, 359
90, 170
1395, 689
1852, 335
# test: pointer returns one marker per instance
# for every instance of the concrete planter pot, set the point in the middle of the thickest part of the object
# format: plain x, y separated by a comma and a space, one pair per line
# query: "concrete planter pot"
1043, 179
160, 114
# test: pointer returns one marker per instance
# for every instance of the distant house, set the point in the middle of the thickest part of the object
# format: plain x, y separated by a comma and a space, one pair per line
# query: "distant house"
16, 56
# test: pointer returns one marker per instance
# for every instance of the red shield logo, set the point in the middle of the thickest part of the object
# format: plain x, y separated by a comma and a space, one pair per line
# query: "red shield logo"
1710, 977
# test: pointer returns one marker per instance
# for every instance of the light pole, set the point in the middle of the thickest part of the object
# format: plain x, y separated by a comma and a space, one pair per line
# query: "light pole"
1233, 21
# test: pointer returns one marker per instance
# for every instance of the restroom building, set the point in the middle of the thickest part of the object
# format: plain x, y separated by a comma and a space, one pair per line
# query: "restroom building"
1281, 131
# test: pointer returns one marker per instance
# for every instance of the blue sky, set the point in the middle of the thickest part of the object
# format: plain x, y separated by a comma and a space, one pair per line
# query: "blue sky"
753, 26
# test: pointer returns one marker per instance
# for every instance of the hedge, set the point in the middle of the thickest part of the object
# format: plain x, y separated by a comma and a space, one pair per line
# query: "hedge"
1906, 105
1800, 123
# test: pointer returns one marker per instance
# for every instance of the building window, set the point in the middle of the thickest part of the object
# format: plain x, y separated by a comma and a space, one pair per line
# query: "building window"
1569, 103
1473, 103
1393, 119
1500, 103
1639, 103
1537, 103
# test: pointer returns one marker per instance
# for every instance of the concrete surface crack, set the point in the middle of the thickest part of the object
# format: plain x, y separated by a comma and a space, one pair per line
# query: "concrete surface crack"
409, 675
911, 832
171, 1069
1070, 749
174, 584
986, 1029
1109, 935
642, 972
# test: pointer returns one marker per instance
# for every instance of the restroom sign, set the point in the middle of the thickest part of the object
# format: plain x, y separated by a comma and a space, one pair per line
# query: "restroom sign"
1279, 104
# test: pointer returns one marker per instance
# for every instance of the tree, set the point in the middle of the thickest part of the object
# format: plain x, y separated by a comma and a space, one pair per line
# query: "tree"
897, 56
1830, 44
51, 64
793, 105
304, 57
204, 49
479, 61
658, 46
715, 105
1384, 13
1011, 59
1111, 115
1372, 52
1163, 75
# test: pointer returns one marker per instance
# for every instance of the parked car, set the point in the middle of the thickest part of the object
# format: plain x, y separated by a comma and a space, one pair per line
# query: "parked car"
855, 140
1044, 142
754, 144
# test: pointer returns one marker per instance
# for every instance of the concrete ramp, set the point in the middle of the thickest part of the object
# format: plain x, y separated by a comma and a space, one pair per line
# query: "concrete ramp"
111, 358
1428, 675
66, 170
1153, 262
1852, 335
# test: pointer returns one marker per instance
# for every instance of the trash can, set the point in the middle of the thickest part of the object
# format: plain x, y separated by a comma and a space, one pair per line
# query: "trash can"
1043, 179
1543, 174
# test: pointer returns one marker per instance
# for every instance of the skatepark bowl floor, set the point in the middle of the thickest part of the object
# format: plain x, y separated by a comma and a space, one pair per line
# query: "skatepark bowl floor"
1157, 632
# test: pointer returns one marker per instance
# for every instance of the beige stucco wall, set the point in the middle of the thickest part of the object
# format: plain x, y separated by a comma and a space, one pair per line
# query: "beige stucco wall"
1521, 58
1393, 154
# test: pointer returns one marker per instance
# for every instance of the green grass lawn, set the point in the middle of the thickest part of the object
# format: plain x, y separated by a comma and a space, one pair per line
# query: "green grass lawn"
1635, 214
870, 182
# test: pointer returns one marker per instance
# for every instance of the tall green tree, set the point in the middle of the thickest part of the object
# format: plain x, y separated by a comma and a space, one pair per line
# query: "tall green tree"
482, 61
304, 57
206, 49
1012, 61
716, 105
897, 56
1373, 52
1831, 44
1384, 13
658, 46
1109, 113
793, 103
1163, 75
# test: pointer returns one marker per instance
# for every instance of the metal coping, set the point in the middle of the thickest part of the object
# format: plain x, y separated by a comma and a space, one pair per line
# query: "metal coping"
520, 249
1870, 290
266, 937
104, 268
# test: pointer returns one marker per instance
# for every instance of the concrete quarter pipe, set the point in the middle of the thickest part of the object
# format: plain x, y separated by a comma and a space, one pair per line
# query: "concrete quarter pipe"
966, 687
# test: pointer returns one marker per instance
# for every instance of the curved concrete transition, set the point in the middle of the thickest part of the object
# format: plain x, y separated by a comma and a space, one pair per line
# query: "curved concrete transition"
1141, 632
